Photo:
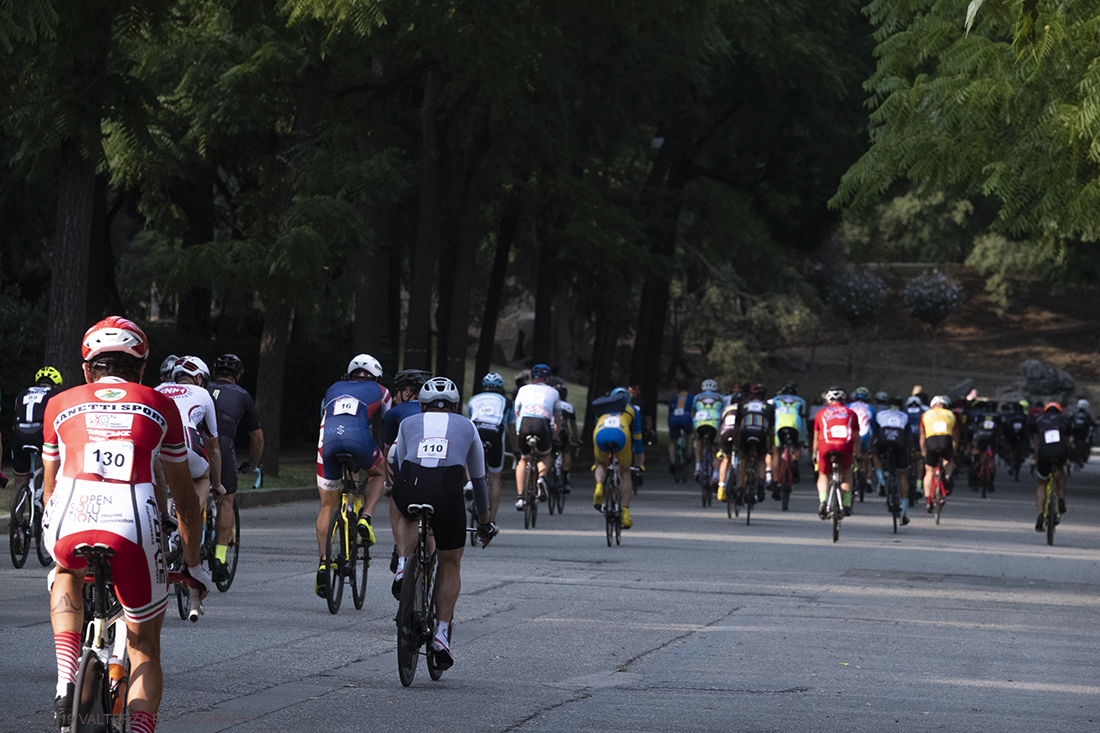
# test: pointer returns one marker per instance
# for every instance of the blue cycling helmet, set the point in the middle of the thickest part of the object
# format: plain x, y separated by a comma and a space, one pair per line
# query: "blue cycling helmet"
492, 380
540, 371
620, 391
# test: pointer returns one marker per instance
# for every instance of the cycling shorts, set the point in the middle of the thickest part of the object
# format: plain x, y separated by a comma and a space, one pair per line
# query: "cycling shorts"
442, 488
938, 448
1045, 464
983, 440
538, 427
754, 438
125, 518
707, 432
727, 442
676, 429
21, 459
895, 450
359, 443
197, 461
788, 432
843, 451
610, 441
494, 450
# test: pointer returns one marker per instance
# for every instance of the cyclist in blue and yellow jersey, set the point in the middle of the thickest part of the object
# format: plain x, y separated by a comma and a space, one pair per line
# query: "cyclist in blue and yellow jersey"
619, 430
790, 422
707, 410
680, 410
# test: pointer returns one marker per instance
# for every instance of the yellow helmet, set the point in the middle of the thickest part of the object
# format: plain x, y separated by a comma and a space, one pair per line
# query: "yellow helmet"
48, 373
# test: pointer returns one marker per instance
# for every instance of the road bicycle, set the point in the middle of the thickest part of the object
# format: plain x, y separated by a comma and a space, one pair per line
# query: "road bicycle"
862, 476
750, 484
939, 494
987, 470
531, 485
1051, 515
416, 610
99, 697
346, 558
834, 502
893, 494
706, 473
680, 460
25, 525
786, 471
612, 498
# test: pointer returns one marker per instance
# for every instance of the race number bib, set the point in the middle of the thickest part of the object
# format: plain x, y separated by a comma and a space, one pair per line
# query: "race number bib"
432, 448
1052, 436
111, 459
988, 425
702, 415
346, 406
30, 400
731, 421
486, 411
612, 421
939, 427
838, 432
678, 412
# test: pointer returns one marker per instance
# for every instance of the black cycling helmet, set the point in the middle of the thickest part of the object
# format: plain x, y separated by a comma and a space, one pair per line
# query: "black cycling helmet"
559, 384
413, 378
790, 388
758, 391
229, 364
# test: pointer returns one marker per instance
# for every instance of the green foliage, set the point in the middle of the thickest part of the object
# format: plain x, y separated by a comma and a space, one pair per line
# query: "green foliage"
931, 297
26, 21
1001, 260
855, 295
734, 361
913, 227
21, 329
780, 320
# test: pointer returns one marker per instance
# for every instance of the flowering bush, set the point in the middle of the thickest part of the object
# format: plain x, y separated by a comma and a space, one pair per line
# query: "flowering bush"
855, 296
931, 297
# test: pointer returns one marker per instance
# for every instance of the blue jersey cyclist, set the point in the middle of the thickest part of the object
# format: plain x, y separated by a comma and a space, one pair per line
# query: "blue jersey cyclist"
494, 417
707, 409
406, 388
790, 424
680, 410
618, 433
866, 415
346, 413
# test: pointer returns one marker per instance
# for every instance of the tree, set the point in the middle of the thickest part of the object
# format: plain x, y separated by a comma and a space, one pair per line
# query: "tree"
931, 297
855, 296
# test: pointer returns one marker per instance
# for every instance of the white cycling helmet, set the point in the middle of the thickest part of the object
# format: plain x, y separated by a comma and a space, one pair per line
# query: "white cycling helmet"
882, 397
365, 361
439, 392
913, 401
166, 368
192, 366
1083, 405
835, 394
114, 334
941, 399
709, 385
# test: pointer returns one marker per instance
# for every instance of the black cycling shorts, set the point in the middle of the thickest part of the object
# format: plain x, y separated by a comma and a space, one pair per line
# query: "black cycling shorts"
442, 488
983, 440
494, 450
21, 459
791, 433
726, 444
706, 433
937, 449
895, 450
754, 438
538, 427
1044, 464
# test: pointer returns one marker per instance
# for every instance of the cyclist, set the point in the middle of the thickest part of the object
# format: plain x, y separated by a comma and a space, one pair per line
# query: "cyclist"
939, 441
495, 419
406, 389
790, 423
679, 420
99, 442
166, 368
538, 414
618, 426
914, 409
836, 428
570, 433
707, 410
755, 426
1082, 431
435, 451
347, 413
867, 425
985, 432
200, 425
1051, 446
894, 439
234, 407
649, 435
30, 406
728, 439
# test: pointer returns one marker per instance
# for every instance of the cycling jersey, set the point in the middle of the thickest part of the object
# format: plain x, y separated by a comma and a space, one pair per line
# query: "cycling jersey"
985, 427
234, 407
30, 406
346, 415
938, 422
790, 412
105, 436
866, 415
680, 412
434, 452
392, 420
914, 414
1016, 426
1053, 431
537, 400
755, 419
893, 426
492, 413
836, 427
1082, 424
616, 433
196, 408
727, 431
707, 409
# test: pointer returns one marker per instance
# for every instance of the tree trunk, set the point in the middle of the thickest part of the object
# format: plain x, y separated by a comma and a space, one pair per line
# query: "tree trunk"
371, 331
469, 226
493, 300
603, 358
418, 329
103, 298
72, 240
544, 300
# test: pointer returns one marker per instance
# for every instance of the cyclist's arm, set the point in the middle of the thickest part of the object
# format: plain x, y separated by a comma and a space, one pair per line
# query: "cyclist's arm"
922, 437
255, 447
49, 478
214, 450
475, 467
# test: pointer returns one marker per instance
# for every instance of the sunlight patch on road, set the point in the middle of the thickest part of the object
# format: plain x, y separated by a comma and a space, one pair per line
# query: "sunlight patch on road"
1014, 685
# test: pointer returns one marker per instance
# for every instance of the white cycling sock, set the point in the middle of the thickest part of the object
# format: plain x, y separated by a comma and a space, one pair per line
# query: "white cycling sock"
767, 474
400, 565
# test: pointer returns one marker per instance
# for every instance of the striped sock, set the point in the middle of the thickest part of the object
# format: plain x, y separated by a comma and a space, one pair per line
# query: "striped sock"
142, 722
68, 650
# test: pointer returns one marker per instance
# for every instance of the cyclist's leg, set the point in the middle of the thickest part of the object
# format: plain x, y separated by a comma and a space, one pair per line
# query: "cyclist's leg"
448, 583
494, 495
330, 499
67, 618
146, 678
1060, 481
846, 478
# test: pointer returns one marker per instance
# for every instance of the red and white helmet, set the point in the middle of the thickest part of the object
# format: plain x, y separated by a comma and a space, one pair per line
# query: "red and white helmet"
114, 334
192, 366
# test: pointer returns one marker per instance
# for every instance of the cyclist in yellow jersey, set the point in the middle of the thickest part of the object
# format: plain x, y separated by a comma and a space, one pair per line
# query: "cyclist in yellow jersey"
618, 428
939, 439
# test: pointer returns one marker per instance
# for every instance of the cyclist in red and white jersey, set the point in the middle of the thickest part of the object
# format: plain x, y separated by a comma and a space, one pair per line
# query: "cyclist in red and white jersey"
99, 443
200, 423
836, 429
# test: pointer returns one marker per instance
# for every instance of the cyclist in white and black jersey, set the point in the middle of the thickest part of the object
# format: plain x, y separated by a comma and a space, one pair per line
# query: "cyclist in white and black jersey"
495, 419
200, 423
570, 433
435, 451
538, 414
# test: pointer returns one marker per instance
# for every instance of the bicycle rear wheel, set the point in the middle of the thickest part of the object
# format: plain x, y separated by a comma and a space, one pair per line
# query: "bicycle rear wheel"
1051, 515
408, 643
233, 553
434, 670
530, 498
358, 563
91, 709
336, 555
19, 535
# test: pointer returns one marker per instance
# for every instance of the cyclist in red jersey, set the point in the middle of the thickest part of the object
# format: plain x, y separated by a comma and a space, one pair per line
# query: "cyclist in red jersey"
836, 428
99, 443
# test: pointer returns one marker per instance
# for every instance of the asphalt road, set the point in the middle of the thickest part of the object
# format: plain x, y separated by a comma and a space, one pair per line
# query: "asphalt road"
696, 623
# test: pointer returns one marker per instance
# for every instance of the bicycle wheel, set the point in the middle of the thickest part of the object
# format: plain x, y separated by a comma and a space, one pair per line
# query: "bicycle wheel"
617, 515
40, 546
750, 494
408, 642
561, 499
90, 696
530, 498
183, 601
1051, 515
358, 563
434, 670
836, 508
233, 553
938, 493
336, 557
19, 536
